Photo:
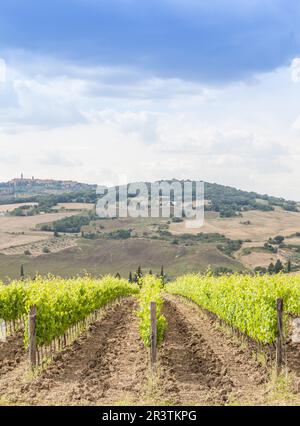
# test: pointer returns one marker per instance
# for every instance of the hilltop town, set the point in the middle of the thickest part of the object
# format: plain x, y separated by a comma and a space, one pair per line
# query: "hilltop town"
23, 186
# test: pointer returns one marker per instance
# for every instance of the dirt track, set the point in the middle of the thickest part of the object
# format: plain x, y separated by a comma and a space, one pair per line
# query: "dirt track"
198, 365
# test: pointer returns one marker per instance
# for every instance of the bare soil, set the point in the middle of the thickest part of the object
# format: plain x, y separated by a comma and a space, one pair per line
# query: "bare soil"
198, 364
106, 365
18, 231
201, 366
12, 352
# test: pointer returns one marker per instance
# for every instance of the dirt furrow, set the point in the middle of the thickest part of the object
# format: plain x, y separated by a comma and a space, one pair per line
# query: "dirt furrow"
200, 365
106, 365
11, 353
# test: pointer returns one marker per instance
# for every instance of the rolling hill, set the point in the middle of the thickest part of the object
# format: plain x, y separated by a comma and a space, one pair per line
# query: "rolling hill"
64, 236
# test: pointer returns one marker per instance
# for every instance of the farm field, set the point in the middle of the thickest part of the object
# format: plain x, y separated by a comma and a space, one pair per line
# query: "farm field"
257, 258
20, 234
262, 225
74, 206
36, 248
256, 227
151, 243
108, 365
111, 256
28, 223
5, 208
16, 231
199, 361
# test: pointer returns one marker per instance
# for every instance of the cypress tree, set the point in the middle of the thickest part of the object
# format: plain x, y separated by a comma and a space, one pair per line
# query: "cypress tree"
278, 266
139, 272
271, 268
162, 274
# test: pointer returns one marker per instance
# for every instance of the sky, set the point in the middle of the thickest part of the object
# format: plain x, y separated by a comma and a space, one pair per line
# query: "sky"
103, 91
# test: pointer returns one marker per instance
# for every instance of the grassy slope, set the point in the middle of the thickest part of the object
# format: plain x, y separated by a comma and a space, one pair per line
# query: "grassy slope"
110, 256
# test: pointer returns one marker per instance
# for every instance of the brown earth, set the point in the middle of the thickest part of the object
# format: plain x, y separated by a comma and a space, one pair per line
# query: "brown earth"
74, 206
198, 364
106, 365
29, 223
12, 352
201, 366
19, 231
262, 225
263, 258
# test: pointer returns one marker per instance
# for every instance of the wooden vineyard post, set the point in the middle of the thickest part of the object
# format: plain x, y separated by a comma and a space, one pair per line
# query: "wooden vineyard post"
32, 336
2, 331
153, 335
279, 339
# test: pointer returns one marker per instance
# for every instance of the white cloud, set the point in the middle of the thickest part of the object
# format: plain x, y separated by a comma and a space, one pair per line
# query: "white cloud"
92, 125
296, 124
43, 92
295, 70
58, 159
2, 71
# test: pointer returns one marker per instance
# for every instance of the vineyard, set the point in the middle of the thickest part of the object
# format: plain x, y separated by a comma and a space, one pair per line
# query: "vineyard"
90, 338
244, 302
151, 291
59, 304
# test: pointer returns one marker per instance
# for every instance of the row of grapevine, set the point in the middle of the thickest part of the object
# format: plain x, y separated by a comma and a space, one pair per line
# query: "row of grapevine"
13, 300
245, 302
60, 303
151, 291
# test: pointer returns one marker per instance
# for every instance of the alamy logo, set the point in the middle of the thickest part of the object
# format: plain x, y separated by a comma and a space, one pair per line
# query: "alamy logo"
165, 199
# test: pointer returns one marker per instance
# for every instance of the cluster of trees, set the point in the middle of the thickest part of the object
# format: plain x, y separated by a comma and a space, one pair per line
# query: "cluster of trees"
119, 234
221, 270
276, 240
26, 210
230, 246
273, 243
226, 245
135, 277
45, 203
213, 237
270, 248
231, 201
275, 269
72, 224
